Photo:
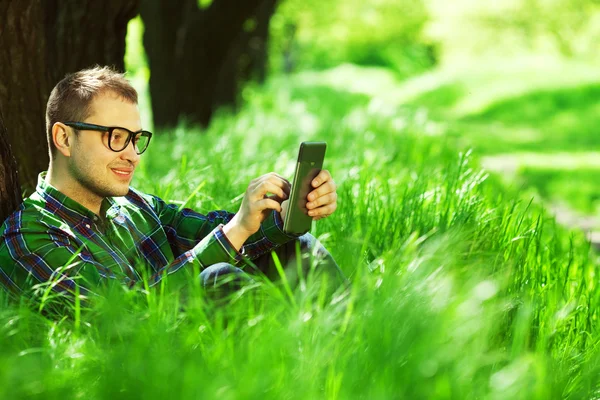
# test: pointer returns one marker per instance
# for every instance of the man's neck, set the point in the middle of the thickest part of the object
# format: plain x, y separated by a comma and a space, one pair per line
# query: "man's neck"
68, 186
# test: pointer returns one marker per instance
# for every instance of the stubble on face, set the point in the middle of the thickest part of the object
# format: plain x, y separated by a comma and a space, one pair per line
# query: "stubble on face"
93, 178
92, 164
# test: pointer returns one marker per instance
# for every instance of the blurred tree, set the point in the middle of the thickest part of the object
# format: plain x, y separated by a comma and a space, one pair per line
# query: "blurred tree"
563, 23
199, 52
248, 55
10, 190
315, 34
41, 41
471, 29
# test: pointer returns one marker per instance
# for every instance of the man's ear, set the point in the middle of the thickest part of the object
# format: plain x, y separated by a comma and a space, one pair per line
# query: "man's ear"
62, 138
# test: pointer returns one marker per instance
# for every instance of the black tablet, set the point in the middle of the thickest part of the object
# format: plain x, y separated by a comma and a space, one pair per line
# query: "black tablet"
310, 163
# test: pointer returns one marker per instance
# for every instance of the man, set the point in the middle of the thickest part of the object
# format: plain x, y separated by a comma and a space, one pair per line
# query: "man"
84, 225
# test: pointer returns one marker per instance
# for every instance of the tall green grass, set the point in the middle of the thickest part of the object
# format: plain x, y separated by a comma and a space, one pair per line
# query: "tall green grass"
459, 288
579, 189
549, 108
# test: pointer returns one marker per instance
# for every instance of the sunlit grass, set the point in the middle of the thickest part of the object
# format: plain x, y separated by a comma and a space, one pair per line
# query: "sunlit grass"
577, 188
459, 287
546, 111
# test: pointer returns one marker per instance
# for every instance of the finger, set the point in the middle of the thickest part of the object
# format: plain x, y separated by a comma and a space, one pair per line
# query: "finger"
321, 178
267, 203
277, 180
323, 211
265, 187
276, 177
276, 198
326, 199
329, 187
272, 177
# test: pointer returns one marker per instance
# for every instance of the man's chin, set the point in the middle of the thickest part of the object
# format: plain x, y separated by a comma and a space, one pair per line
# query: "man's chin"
122, 191
119, 190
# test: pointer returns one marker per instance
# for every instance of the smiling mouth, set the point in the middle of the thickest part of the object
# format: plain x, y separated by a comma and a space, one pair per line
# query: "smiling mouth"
122, 173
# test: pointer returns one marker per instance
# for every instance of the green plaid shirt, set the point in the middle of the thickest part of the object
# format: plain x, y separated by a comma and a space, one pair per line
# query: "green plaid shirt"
53, 238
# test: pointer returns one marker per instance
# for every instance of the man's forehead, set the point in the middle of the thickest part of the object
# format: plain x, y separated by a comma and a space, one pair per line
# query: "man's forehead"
110, 96
109, 108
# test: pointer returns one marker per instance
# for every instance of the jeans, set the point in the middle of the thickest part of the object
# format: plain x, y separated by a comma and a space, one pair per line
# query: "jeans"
314, 258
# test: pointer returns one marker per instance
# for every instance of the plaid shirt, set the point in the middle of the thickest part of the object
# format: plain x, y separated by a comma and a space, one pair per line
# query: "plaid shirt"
53, 238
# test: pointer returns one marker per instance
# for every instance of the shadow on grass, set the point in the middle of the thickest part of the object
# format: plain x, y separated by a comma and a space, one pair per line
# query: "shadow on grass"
537, 106
566, 119
578, 188
325, 99
446, 95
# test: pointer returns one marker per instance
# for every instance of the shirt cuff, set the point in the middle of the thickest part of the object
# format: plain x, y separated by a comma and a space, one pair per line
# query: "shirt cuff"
272, 228
216, 248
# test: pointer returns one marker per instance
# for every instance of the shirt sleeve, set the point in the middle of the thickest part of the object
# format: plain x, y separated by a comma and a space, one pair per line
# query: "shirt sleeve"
36, 257
37, 262
203, 234
41, 260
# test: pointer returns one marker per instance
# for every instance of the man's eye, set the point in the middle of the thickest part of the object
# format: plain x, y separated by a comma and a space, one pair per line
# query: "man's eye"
118, 136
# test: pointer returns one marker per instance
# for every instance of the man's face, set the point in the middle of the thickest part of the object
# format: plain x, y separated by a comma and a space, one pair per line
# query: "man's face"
98, 170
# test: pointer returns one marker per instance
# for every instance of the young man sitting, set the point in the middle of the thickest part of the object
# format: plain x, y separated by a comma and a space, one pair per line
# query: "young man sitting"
84, 225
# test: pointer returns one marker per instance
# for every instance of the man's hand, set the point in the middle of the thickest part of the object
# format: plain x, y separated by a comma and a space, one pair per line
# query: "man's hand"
322, 201
256, 206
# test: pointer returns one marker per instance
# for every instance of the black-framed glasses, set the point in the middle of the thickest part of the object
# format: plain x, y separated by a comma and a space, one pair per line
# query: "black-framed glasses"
118, 137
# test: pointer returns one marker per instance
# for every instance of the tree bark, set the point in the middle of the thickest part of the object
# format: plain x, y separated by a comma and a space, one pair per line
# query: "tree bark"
210, 49
162, 28
246, 58
10, 190
40, 42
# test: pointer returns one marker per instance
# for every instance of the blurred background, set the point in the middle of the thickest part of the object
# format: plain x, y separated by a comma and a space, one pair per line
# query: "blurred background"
515, 80
461, 285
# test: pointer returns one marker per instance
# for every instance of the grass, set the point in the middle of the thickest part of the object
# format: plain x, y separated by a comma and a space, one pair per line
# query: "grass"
460, 287
549, 108
567, 118
579, 188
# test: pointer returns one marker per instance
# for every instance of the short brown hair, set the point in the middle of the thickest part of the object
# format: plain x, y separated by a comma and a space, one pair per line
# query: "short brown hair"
71, 98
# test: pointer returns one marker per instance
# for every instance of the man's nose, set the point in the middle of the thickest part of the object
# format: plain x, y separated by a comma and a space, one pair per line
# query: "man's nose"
130, 154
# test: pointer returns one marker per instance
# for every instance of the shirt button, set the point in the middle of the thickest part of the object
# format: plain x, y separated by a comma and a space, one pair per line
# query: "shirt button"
87, 226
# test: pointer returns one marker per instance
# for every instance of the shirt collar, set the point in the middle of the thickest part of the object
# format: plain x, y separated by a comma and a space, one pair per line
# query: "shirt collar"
49, 193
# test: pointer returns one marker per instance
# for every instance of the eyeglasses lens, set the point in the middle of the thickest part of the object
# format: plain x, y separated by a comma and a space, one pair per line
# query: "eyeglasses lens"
119, 138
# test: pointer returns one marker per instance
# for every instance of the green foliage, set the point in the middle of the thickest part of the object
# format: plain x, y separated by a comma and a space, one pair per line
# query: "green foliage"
204, 3
460, 289
136, 65
504, 29
565, 24
318, 35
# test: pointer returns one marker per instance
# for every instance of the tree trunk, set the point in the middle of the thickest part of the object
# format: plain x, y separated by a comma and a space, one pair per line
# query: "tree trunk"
10, 190
40, 42
209, 50
162, 27
247, 56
